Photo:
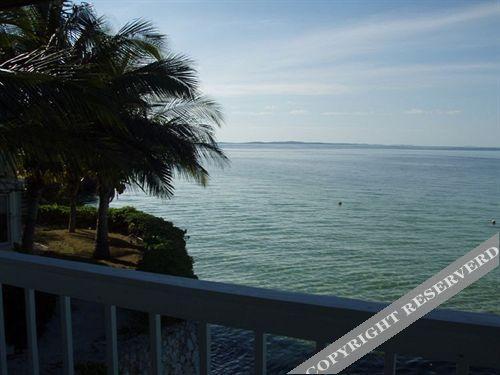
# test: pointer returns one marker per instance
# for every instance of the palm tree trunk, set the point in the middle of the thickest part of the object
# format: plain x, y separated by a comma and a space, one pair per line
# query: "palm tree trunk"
101, 250
72, 216
34, 188
72, 207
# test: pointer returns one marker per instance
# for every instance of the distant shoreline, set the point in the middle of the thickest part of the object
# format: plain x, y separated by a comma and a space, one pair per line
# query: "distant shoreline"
365, 145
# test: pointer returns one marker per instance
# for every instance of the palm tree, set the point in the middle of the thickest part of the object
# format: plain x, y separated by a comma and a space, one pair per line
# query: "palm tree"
35, 91
142, 118
158, 148
40, 79
167, 125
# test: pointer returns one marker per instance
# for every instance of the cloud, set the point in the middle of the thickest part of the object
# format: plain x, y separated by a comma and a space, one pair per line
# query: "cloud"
332, 60
449, 112
350, 113
252, 113
413, 111
385, 27
374, 33
268, 110
298, 112
419, 111
274, 88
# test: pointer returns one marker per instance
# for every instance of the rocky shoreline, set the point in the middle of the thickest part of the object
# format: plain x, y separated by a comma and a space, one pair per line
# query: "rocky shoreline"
179, 346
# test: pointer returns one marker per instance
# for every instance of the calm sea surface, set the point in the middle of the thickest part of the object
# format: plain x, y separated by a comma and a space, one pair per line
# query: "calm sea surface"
272, 219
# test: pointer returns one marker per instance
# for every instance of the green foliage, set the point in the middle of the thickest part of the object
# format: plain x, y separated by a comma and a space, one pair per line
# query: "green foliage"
167, 258
164, 243
56, 216
136, 116
60, 193
151, 229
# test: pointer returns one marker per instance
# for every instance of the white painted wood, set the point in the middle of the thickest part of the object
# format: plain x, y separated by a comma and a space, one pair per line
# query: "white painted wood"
260, 353
3, 344
32, 347
111, 339
67, 335
297, 315
155, 344
15, 215
389, 363
5, 204
463, 366
204, 343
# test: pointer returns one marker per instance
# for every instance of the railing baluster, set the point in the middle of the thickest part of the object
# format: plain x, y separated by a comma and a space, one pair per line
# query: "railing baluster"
3, 345
217, 305
389, 363
67, 335
29, 301
155, 343
111, 339
260, 356
462, 366
204, 347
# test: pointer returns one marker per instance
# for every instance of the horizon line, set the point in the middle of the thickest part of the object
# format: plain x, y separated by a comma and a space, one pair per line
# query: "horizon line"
374, 145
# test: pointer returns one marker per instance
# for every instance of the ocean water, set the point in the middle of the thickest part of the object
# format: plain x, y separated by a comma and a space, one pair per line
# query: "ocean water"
272, 219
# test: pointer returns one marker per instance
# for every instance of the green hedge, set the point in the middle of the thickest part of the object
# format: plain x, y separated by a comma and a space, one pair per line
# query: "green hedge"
56, 216
164, 243
164, 252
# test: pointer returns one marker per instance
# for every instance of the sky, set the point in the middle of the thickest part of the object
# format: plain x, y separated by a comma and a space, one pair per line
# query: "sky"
380, 72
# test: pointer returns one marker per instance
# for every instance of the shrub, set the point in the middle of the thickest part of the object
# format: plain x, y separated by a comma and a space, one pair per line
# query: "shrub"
57, 216
167, 258
152, 229
164, 243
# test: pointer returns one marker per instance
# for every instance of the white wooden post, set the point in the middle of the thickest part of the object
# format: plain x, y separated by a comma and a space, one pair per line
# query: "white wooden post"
253, 309
67, 335
33, 364
462, 366
155, 344
260, 353
3, 344
111, 339
204, 344
389, 363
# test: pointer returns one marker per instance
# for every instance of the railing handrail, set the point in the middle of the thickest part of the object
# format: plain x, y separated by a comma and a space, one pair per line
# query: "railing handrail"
442, 334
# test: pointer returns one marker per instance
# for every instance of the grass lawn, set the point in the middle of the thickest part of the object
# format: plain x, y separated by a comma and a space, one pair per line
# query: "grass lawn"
80, 246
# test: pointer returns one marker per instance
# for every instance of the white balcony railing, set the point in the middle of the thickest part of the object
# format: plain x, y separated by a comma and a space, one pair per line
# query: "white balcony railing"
461, 337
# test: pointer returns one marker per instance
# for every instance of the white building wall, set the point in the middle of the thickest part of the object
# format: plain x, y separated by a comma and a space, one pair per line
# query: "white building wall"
15, 217
13, 190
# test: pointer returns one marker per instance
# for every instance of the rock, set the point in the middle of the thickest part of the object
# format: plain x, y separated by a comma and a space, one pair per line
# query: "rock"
179, 351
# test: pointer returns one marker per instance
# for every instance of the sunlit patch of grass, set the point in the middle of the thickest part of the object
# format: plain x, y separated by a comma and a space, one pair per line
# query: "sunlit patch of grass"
80, 246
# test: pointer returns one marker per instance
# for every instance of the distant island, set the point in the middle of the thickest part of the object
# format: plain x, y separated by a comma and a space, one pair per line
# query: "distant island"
364, 145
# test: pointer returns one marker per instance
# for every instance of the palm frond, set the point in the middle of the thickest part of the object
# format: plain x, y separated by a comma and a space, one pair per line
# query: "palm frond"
161, 80
199, 109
